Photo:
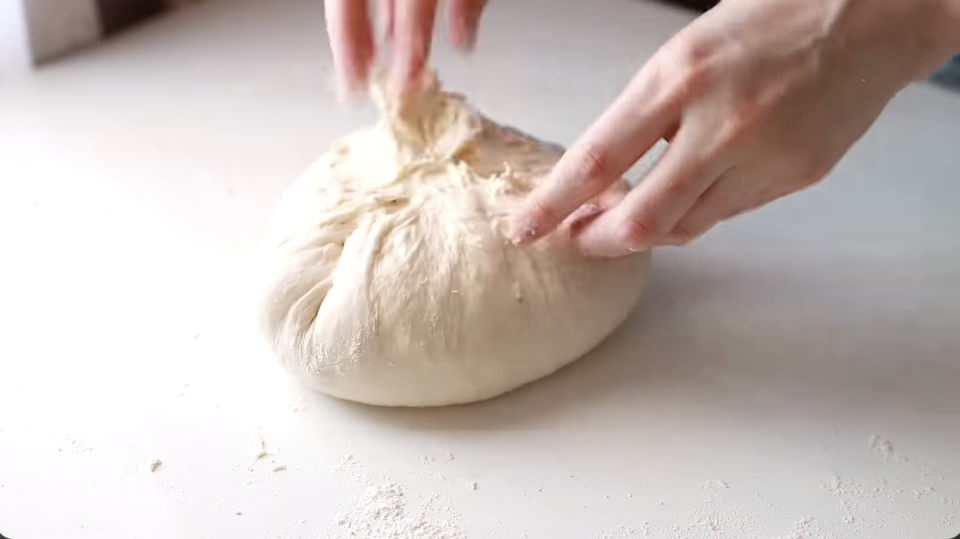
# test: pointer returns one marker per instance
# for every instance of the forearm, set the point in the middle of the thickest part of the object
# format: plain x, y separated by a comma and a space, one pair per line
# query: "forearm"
949, 27
893, 42
936, 33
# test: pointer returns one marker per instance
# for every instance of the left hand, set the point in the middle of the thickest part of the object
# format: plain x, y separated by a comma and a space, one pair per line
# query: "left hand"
407, 25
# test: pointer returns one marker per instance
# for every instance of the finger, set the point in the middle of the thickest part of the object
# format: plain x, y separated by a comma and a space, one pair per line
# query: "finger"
385, 18
655, 206
463, 21
348, 27
588, 212
622, 134
721, 200
613, 194
412, 37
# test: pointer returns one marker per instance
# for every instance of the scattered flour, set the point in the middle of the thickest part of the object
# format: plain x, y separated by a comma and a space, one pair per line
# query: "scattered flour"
261, 448
885, 449
261, 452
298, 406
386, 511
382, 514
346, 465
865, 505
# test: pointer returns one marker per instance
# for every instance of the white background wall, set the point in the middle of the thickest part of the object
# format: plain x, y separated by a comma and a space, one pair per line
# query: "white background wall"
14, 50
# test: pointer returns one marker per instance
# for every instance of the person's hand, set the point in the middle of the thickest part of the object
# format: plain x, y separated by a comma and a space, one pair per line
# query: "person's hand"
405, 25
758, 99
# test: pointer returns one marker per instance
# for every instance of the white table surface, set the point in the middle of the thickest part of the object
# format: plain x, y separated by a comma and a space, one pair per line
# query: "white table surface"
793, 374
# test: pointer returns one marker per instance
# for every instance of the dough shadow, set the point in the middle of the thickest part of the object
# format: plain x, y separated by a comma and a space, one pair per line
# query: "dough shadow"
732, 339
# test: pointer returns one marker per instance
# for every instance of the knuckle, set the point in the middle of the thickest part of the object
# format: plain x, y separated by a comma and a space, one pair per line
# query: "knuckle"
689, 66
540, 211
592, 169
635, 234
739, 126
744, 119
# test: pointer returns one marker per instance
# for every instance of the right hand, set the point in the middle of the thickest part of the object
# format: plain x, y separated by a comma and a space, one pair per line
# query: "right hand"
406, 25
758, 99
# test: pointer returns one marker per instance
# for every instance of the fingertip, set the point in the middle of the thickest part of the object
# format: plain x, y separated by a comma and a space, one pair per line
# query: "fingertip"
349, 94
463, 36
525, 232
463, 21
348, 28
465, 43
350, 84
535, 221
413, 36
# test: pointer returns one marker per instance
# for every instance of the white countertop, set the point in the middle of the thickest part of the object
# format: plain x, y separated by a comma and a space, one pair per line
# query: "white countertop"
793, 375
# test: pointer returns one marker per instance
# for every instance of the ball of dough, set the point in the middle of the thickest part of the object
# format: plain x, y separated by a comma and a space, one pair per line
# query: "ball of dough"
390, 278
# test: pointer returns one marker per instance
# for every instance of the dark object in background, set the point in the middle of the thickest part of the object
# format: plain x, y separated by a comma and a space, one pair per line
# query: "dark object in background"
115, 15
948, 75
695, 5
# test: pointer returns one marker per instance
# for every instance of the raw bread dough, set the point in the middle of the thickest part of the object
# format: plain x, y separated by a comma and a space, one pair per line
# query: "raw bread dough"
390, 278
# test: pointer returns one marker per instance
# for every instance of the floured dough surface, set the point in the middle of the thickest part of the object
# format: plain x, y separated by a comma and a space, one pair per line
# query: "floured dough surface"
389, 277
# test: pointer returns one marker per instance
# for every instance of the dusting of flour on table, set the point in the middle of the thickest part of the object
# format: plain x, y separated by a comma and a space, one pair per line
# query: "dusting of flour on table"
261, 448
382, 513
385, 509
885, 449
865, 505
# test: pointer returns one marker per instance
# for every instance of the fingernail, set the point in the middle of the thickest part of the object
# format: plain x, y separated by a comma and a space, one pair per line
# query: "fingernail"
672, 241
347, 96
350, 92
467, 41
580, 218
668, 241
525, 233
605, 251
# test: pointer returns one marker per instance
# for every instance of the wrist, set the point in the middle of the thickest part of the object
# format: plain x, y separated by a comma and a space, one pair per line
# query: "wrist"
895, 42
947, 15
938, 34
